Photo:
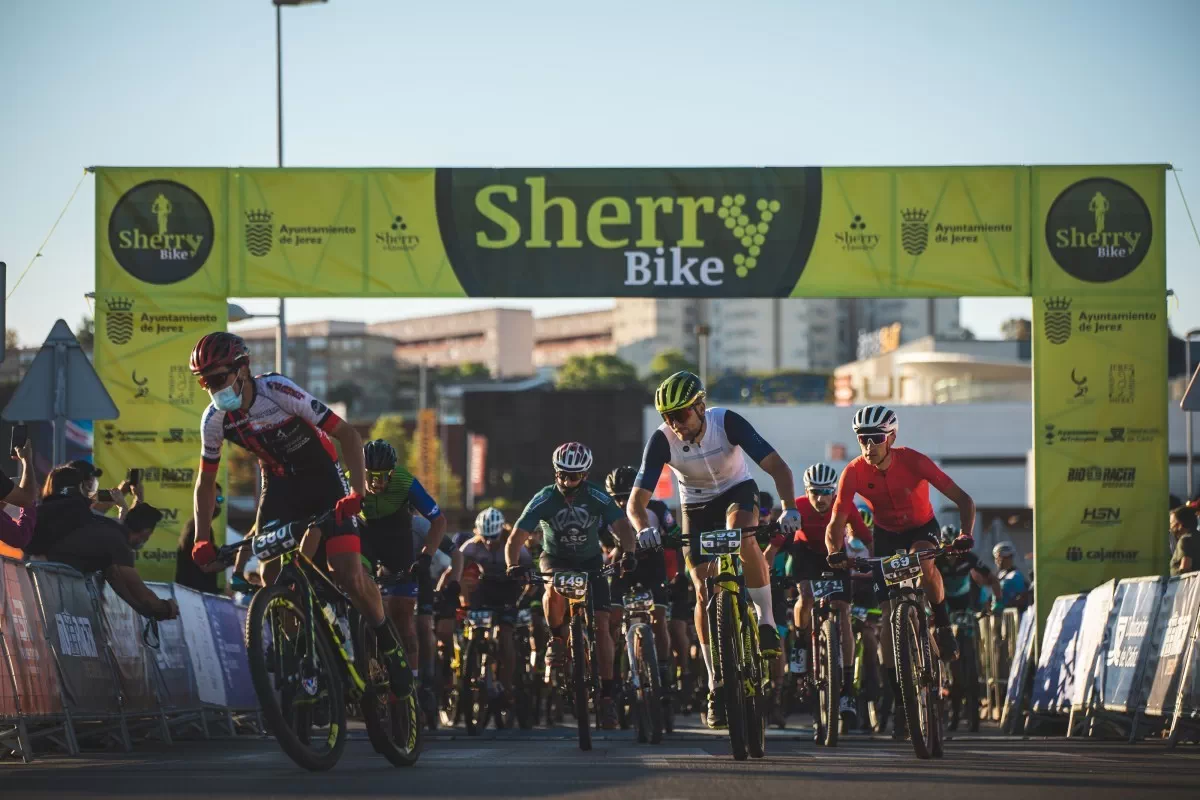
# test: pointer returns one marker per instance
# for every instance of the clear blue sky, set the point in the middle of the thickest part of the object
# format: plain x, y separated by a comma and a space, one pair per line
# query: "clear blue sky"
392, 83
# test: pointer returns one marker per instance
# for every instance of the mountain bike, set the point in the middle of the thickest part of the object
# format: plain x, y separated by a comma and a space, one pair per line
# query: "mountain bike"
480, 680
826, 659
582, 680
733, 631
964, 673
298, 631
525, 680
643, 688
918, 669
872, 690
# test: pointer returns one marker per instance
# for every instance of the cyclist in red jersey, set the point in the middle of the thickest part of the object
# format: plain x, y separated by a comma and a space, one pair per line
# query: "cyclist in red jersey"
289, 431
896, 480
808, 553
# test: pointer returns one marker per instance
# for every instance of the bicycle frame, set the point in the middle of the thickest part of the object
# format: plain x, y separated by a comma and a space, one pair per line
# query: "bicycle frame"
729, 579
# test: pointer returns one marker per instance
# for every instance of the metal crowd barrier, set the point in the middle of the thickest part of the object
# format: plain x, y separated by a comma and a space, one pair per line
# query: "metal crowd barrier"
75, 670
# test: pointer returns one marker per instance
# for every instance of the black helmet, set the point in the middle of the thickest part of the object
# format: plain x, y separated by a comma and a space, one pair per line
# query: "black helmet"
765, 500
619, 482
379, 455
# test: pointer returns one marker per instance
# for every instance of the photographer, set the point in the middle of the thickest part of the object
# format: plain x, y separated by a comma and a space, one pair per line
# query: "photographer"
69, 531
16, 533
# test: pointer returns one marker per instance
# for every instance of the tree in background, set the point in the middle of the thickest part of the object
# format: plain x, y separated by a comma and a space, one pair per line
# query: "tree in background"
11, 340
243, 473
85, 332
390, 428
666, 363
446, 488
602, 371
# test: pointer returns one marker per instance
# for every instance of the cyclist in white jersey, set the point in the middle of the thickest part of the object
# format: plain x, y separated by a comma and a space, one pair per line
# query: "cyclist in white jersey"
706, 448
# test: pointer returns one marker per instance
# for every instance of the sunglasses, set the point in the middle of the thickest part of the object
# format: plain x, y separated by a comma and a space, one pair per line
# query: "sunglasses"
872, 438
569, 476
679, 416
822, 491
380, 475
216, 380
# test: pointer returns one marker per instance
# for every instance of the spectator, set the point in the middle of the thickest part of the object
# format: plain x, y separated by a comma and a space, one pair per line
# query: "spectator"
187, 573
1013, 585
16, 533
1186, 557
68, 531
141, 521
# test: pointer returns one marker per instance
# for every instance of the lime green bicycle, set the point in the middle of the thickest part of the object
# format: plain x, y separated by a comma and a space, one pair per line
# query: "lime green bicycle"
739, 668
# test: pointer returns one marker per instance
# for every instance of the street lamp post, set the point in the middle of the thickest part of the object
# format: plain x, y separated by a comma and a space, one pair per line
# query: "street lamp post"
281, 341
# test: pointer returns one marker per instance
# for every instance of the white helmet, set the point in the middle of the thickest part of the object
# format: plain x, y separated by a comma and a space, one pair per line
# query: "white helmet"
490, 522
1003, 549
821, 476
876, 418
572, 457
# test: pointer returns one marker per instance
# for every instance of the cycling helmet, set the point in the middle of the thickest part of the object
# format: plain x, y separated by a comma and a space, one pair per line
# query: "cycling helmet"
765, 500
220, 349
1003, 549
490, 522
856, 548
572, 457
949, 534
875, 419
868, 516
820, 476
379, 455
619, 482
679, 391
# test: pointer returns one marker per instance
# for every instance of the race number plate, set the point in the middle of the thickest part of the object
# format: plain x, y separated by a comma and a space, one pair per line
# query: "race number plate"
273, 543
899, 569
524, 618
826, 588
719, 543
859, 613
480, 618
571, 585
639, 600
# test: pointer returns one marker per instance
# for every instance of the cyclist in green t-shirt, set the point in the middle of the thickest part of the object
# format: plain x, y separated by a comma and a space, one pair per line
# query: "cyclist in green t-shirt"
387, 541
570, 513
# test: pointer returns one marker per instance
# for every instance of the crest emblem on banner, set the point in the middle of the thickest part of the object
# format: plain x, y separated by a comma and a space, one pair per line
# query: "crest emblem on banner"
118, 324
914, 230
259, 236
1057, 325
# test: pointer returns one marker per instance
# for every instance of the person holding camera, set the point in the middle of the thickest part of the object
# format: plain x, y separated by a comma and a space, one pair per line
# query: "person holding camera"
17, 532
68, 530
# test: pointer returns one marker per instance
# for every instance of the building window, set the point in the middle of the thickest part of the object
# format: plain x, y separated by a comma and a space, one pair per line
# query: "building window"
317, 343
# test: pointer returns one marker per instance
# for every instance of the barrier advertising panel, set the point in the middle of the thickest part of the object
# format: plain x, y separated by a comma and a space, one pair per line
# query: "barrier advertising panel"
1124, 659
132, 661
29, 656
1096, 612
1053, 682
1177, 619
206, 666
227, 632
172, 660
77, 638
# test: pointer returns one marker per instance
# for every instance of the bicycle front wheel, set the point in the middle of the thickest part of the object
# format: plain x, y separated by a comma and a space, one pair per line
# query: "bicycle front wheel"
393, 724
910, 672
296, 678
731, 675
580, 678
829, 686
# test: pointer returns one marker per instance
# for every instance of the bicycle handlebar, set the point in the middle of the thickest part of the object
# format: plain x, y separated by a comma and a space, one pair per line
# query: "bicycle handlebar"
228, 553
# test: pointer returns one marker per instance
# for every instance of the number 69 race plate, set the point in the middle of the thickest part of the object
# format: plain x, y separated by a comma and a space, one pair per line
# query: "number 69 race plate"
571, 585
898, 569
716, 543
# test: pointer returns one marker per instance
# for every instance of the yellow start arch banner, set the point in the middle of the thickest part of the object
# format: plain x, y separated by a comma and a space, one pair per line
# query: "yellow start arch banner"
1086, 242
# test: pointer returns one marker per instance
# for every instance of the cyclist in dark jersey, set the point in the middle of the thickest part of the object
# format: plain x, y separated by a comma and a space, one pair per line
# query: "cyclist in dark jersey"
289, 431
387, 540
962, 574
570, 512
896, 480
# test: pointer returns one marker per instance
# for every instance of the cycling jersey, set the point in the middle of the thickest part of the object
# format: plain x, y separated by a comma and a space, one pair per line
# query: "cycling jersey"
707, 468
570, 526
285, 426
899, 495
492, 562
813, 524
402, 489
956, 573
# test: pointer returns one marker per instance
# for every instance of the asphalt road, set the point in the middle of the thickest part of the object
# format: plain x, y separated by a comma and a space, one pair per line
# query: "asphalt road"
691, 764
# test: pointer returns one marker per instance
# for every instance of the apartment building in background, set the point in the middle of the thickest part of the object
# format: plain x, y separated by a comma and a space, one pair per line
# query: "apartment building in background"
643, 327
326, 354
557, 338
775, 334
499, 338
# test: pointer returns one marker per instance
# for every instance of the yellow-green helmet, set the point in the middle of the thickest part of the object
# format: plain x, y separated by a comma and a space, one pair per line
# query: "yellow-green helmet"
678, 392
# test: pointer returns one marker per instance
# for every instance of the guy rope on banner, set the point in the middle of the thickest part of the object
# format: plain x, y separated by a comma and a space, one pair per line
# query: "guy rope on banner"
53, 227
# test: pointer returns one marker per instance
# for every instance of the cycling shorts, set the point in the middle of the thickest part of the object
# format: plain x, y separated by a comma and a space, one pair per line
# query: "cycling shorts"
499, 596
387, 541
288, 498
681, 598
890, 542
406, 590
599, 586
651, 574
713, 516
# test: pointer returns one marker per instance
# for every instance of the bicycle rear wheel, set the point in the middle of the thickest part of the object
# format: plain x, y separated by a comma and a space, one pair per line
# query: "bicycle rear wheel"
829, 684
580, 679
393, 724
914, 695
731, 675
296, 678
756, 705
473, 692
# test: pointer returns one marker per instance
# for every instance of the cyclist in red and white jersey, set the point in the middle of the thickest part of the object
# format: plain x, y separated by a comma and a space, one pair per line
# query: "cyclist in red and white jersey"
289, 431
896, 480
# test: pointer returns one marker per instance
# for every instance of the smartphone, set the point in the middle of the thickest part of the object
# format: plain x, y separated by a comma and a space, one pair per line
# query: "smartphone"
133, 476
20, 435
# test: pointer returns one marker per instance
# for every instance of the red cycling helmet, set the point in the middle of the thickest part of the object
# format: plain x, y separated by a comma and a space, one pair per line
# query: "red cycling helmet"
217, 350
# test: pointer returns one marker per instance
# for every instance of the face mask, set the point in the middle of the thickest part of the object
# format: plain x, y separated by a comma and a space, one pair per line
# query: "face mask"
229, 398
90, 486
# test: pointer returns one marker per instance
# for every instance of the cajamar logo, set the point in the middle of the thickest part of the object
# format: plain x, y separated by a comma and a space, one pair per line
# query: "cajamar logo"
259, 235
1099, 230
160, 232
914, 230
1057, 323
118, 322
